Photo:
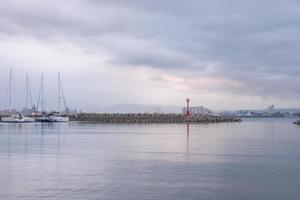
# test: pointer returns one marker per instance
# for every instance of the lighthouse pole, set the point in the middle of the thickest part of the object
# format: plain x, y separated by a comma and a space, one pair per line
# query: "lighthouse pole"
187, 114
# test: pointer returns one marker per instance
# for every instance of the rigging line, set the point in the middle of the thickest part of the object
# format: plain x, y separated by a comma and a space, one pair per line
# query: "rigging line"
5, 97
59, 97
26, 105
14, 98
28, 90
30, 97
39, 97
10, 80
43, 98
63, 95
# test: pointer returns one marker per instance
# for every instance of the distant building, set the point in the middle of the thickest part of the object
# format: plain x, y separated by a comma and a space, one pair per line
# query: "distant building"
197, 110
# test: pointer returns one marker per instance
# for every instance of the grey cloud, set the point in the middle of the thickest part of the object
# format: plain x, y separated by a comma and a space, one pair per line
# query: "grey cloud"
253, 41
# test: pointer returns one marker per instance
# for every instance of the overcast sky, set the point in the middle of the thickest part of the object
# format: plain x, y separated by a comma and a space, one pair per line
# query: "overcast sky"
223, 54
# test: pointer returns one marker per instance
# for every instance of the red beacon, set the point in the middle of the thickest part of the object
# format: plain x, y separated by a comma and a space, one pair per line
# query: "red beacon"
187, 114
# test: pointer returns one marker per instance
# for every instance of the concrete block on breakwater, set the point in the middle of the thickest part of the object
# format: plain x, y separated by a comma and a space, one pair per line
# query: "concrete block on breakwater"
149, 118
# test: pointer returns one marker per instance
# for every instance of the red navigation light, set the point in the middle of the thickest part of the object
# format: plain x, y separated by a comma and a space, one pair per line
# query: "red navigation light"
187, 114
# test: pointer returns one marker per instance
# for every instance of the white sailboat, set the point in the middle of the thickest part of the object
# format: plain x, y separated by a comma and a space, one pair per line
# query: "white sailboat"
57, 117
43, 115
28, 99
52, 117
15, 117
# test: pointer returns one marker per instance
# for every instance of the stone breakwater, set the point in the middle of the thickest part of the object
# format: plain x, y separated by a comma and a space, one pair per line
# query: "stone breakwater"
149, 118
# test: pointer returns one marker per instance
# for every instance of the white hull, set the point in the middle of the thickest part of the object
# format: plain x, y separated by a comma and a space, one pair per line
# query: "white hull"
59, 119
17, 119
28, 119
52, 119
11, 120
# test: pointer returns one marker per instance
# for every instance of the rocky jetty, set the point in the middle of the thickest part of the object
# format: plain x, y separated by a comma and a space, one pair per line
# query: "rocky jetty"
149, 118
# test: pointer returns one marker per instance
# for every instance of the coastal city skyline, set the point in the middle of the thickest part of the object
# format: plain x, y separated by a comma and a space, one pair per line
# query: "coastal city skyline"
157, 58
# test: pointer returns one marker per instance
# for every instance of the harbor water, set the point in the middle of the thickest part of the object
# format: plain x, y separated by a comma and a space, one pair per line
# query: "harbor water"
254, 159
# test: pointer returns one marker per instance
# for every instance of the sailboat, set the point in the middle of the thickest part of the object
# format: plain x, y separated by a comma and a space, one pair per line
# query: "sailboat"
55, 116
28, 99
43, 115
16, 117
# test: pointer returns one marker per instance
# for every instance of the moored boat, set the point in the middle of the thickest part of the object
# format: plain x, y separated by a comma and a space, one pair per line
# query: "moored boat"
60, 119
50, 118
54, 116
17, 118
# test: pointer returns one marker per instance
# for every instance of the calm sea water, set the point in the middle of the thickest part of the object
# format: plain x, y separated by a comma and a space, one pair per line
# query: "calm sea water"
255, 159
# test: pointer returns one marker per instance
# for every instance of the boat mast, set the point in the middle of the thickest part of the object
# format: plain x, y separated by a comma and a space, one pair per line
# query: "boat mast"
28, 94
10, 93
59, 97
41, 95
43, 100
61, 93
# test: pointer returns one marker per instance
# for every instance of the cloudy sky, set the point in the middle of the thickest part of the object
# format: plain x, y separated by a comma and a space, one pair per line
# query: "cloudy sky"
223, 54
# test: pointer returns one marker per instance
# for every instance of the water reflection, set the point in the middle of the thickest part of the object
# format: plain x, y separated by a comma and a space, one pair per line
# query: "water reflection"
187, 138
57, 161
31, 138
